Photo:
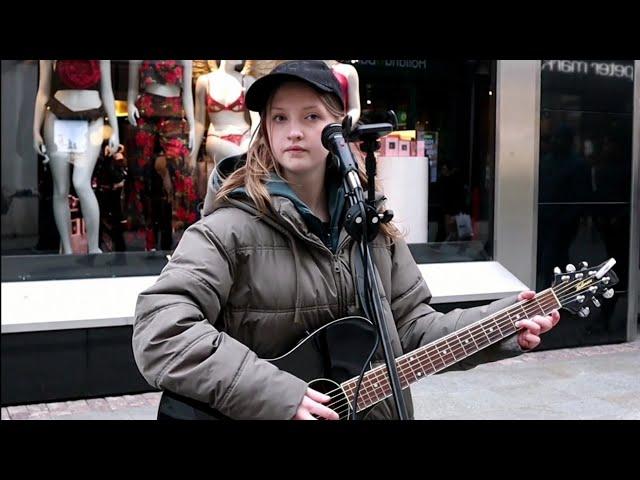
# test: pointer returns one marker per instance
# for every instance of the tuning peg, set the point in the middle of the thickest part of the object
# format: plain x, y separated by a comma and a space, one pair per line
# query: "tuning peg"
608, 293
571, 268
557, 270
596, 302
605, 280
583, 312
584, 264
580, 298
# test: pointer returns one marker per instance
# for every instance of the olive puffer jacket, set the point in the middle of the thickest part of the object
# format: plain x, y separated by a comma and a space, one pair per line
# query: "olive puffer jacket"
242, 287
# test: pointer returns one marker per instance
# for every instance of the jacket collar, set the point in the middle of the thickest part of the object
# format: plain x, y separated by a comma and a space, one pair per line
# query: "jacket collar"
287, 209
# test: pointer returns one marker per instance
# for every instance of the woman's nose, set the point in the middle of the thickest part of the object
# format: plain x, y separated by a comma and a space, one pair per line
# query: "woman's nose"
295, 132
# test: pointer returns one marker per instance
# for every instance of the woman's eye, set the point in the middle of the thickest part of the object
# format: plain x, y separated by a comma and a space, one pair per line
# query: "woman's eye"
313, 116
278, 118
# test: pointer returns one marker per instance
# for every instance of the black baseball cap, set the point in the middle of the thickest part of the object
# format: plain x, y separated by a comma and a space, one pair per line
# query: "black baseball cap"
316, 73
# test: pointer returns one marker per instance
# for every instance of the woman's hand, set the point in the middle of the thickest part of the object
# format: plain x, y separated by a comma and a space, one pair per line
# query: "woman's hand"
312, 404
531, 328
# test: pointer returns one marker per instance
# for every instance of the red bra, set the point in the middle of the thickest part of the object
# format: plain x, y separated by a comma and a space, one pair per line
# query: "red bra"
76, 75
215, 106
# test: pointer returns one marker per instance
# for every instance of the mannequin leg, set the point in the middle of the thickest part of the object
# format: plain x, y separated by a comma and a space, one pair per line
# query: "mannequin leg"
161, 167
59, 164
82, 173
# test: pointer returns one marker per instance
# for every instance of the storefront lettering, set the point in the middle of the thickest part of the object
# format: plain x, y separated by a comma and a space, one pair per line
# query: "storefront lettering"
415, 64
602, 69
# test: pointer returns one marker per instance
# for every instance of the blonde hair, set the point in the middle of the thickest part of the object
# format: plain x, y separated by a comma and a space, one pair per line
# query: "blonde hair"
255, 173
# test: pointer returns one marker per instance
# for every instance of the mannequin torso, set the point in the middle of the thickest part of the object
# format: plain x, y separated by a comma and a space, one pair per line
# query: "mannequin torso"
225, 103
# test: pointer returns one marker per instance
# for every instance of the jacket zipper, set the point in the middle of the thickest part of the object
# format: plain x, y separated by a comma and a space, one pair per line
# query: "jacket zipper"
337, 269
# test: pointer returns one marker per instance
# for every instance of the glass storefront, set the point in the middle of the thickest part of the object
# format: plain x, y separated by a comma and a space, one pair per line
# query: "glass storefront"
123, 210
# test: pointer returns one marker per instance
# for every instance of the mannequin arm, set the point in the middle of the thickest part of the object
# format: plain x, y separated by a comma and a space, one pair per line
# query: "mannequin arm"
187, 100
106, 91
42, 97
255, 116
353, 91
132, 92
200, 116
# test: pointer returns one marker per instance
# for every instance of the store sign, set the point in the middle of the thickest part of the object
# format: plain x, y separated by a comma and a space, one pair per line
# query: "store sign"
412, 64
603, 69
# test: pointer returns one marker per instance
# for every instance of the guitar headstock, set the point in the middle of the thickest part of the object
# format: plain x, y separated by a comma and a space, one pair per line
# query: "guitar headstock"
576, 288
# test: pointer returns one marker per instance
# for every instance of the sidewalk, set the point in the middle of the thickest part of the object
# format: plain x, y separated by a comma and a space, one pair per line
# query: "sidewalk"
601, 382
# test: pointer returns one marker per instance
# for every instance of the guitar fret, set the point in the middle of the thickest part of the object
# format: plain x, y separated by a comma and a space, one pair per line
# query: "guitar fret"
526, 315
541, 312
490, 331
474, 339
498, 321
381, 384
467, 346
452, 349
485, 333
461, 343
442, 352
426, 354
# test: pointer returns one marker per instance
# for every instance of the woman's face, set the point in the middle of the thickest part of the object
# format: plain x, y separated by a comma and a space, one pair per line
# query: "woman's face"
294, 124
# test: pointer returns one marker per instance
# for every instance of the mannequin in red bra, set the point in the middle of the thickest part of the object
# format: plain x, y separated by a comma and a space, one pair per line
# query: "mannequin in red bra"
73, 98
220, 100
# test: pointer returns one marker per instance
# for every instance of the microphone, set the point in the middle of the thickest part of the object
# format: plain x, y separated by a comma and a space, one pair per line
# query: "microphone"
333, 140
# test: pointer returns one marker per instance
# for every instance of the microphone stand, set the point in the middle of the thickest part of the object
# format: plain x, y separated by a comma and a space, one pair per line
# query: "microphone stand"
362, 223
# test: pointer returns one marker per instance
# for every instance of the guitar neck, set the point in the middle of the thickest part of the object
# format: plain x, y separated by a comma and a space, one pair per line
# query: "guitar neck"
448, 350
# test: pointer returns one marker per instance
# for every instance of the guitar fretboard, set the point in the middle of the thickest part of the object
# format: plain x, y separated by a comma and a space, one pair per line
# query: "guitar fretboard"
446, 351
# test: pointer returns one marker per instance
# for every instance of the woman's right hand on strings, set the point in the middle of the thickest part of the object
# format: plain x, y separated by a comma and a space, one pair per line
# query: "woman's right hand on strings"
312, 404
40, 147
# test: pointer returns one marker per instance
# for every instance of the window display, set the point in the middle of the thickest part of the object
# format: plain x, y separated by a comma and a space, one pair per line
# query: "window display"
125, 182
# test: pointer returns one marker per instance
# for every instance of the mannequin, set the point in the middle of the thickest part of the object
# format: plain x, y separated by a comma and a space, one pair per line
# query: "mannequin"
73, 98
220, 99
160, 106
347, 75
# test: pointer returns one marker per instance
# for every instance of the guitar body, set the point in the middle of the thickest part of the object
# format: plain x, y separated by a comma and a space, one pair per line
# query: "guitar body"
329, 356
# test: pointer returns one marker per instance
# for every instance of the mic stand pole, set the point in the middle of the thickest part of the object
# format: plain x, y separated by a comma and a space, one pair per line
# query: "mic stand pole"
362, 222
